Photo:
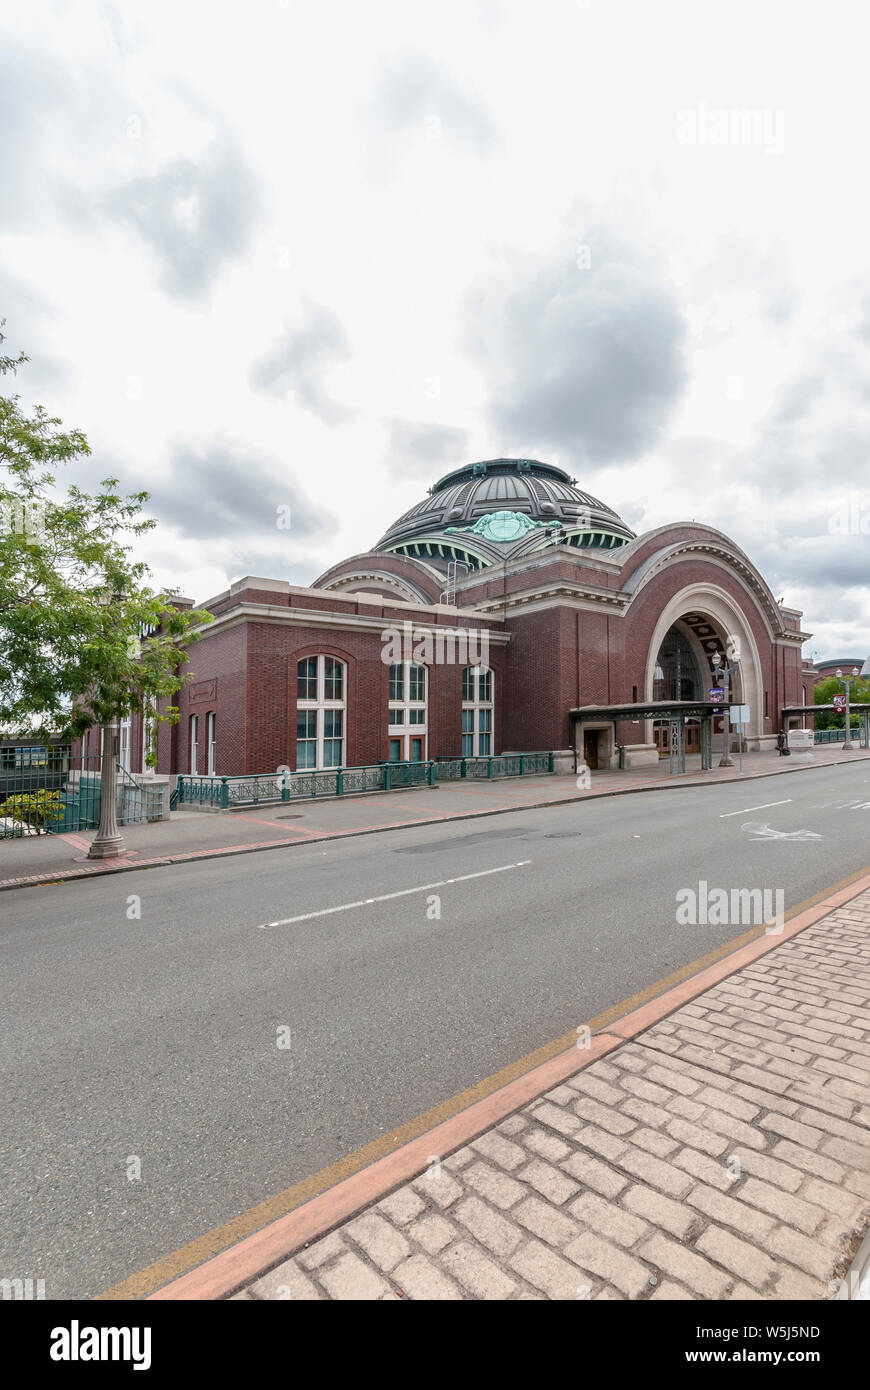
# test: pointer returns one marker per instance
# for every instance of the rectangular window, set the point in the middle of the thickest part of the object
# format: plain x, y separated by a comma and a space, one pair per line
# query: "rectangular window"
484, 745
333, 679
306, 681
194, 737
147, 733
416, 716
485, 686
333, 732
211, 742
484, 720
397, 718
306, 738
397, 682
468, 684
306, 723
467, 745
395, 750
306, 754
417, 683
416, 750
468, 721
124, 747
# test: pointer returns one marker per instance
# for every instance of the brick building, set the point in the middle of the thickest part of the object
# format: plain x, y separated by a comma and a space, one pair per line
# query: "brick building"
507, 611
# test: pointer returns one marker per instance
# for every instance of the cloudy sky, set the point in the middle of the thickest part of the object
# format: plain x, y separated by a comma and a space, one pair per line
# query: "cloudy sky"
314, 254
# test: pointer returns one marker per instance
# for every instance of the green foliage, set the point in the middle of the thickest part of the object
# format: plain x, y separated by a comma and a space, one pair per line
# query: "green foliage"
33, 808
84, 639
859, 691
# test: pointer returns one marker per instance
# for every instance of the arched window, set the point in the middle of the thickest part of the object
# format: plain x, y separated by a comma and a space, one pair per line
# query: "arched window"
408, 726
477, 712
320, 711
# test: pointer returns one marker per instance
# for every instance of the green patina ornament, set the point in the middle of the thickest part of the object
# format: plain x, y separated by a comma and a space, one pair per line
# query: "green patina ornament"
501, 526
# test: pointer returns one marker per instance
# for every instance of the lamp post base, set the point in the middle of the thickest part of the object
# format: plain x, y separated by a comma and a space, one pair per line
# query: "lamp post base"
109, 848
725, 762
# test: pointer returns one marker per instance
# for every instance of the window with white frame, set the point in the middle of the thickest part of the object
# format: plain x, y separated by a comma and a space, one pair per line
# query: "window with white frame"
194, 738
407, 717
210, 742
320, 712
477, 712
124, 742
148, 731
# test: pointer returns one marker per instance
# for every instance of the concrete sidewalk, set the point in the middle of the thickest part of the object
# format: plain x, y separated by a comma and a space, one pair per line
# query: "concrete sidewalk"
192, 835
713, 1144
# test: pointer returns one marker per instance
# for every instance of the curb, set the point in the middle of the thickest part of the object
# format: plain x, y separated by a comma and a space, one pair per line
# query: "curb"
225, 1273
163, 861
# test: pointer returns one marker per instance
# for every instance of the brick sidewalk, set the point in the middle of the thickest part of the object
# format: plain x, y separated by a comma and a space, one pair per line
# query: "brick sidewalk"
722, 1154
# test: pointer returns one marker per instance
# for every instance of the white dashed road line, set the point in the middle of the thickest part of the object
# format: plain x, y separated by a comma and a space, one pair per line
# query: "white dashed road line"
385, 897
746, 809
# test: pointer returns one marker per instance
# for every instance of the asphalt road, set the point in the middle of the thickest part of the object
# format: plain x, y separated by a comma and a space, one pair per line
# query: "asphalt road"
156, 1038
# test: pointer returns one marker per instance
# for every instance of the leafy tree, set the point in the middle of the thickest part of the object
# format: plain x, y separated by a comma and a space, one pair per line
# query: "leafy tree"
824, 694
84, 639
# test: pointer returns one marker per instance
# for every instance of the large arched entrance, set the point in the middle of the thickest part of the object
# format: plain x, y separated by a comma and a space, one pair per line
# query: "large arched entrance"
678, 676
698, 622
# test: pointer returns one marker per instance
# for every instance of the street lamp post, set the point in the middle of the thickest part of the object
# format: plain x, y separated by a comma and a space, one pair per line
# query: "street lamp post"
847, 681
108, 843
726, 672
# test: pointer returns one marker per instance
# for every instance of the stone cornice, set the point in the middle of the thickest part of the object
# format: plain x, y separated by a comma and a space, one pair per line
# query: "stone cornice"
351, 622
560, 592
386, 577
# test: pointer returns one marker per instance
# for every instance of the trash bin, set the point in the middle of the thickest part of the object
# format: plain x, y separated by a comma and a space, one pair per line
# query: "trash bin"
620, 748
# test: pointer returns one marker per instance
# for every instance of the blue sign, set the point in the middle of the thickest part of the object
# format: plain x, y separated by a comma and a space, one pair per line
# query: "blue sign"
716, 696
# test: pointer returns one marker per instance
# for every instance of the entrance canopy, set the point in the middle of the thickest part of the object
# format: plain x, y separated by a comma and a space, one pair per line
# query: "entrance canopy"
674, 713
651, 709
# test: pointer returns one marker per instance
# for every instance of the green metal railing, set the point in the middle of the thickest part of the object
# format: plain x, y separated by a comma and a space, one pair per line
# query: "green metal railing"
52, 790
503, 765
222, 793
835, 735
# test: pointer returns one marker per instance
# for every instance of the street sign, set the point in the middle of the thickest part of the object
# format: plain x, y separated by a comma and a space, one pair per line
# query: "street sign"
740, 715
839, 703
716, 695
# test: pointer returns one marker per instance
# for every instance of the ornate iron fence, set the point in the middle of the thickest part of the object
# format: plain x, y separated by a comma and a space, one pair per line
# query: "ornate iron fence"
502, 765
222, 793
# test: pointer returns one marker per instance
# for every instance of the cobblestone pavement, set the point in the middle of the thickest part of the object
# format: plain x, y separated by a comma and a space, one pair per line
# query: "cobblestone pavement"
723, 1154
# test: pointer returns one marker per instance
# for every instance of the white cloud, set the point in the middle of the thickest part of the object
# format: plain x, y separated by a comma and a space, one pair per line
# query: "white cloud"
343, 238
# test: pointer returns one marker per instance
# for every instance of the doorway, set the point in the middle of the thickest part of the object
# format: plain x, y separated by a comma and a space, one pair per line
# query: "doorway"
590, 748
